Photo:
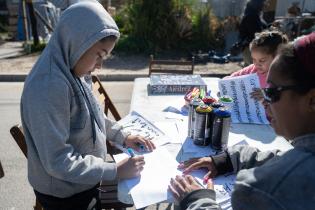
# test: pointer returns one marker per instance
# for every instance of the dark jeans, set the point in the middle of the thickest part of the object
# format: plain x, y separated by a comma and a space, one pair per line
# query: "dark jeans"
88, 199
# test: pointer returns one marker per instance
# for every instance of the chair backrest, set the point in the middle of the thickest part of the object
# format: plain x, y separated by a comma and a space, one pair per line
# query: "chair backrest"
1, 171
109, 108
104, 99
18, 135
171, 66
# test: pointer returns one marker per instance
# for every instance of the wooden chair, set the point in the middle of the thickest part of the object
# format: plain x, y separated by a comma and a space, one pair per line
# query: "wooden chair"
108, 192
108, 107
104, 99
1, 171
18, 135
171, 66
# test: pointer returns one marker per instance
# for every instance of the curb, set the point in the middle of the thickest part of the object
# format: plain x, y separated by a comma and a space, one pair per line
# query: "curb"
102, 77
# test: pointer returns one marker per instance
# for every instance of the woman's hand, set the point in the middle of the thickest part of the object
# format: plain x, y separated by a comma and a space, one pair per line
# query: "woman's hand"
197, 163
257, 94
130, 167
136, 142
181, 186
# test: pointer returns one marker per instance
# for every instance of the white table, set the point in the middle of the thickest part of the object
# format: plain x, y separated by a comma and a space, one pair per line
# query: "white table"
152, 106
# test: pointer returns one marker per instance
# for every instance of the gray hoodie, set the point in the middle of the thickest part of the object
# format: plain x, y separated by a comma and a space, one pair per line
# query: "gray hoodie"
65, 134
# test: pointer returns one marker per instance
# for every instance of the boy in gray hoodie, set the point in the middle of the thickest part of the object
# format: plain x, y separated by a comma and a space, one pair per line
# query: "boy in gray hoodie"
64, 127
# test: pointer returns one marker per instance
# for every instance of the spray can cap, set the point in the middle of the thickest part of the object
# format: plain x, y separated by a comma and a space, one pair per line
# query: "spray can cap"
196, 101
222, 112
208, 100
203, 108
226, 98
217, 105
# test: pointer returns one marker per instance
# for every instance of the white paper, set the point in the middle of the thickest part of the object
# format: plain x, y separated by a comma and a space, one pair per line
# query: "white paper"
182, 127
174, 116
136, 124
223, 186
244, 108
152, 186
171, 131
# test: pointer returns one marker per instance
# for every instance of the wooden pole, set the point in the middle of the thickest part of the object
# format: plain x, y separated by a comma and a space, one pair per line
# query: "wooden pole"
30, 7
25, 21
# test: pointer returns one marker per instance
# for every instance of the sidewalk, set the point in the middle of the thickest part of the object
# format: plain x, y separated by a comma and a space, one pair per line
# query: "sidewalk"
15, 65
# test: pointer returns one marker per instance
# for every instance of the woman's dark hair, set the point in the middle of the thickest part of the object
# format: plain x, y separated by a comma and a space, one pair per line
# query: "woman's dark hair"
268, 41
290, 67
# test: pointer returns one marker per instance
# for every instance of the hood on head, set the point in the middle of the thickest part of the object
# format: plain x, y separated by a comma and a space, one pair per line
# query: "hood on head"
81, 26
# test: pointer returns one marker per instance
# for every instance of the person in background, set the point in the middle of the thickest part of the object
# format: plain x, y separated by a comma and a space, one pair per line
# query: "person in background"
263, 49
65, 129
269, 11
270, 180
289, 25
251, 23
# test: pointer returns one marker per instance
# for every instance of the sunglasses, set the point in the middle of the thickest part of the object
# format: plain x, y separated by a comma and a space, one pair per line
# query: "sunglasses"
272, 94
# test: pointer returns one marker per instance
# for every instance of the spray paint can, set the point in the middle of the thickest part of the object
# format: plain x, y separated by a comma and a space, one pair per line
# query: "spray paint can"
191, 115
221, 128
203, 125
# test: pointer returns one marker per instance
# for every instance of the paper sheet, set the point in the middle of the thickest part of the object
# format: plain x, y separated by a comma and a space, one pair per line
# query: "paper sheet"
152, 186
138, 125
244, 108
160, 167
223, 186
171, 130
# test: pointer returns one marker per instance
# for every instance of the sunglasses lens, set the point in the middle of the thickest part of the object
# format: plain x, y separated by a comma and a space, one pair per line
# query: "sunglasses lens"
271, 95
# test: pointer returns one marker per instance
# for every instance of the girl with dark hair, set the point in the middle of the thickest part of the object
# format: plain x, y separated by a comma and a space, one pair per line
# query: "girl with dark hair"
263, 50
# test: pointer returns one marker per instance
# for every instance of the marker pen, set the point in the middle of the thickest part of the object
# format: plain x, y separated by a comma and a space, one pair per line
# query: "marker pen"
131, 152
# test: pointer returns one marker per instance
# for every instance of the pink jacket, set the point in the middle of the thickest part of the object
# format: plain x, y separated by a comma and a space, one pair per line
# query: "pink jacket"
251, 69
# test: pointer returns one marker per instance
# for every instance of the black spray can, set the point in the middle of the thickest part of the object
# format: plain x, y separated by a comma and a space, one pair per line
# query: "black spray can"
221, 128
191, 115
203, 125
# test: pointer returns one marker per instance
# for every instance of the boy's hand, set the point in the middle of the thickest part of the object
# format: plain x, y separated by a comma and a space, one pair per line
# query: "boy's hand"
136, 141
130, 167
